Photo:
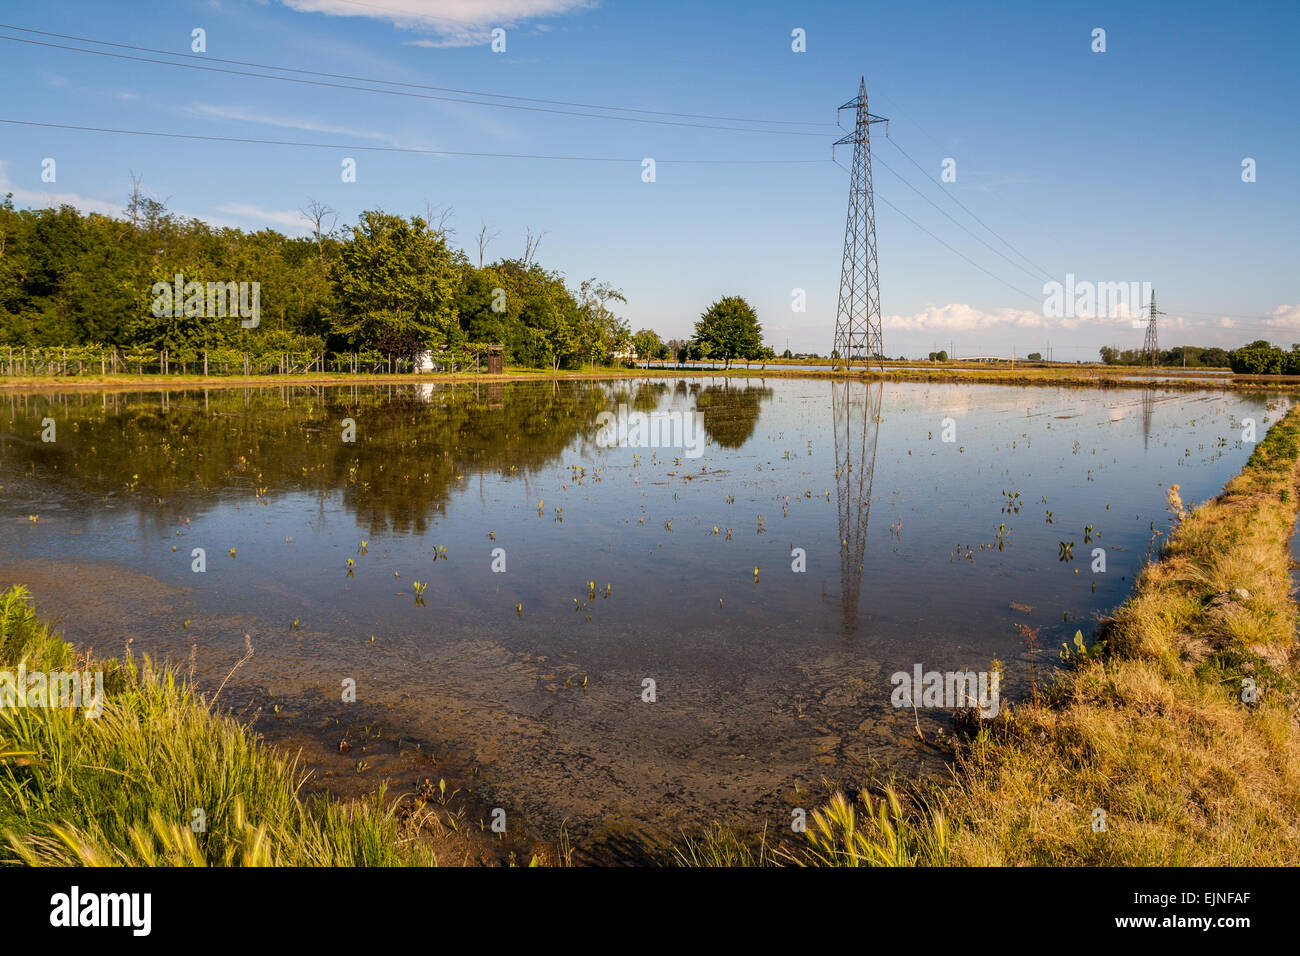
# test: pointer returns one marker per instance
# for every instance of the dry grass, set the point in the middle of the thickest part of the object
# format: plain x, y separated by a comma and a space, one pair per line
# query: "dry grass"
1156, 733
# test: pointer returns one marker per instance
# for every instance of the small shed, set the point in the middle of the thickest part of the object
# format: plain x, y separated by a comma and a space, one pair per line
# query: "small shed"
496, 359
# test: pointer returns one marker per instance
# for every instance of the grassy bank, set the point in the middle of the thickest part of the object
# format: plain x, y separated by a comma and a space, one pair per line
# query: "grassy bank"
122, 788
1148, 726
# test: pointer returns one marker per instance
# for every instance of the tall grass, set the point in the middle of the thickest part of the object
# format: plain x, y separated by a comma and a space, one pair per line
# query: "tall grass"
123, 788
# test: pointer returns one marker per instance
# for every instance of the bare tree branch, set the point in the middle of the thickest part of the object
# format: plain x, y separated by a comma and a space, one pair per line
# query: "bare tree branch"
316, 213
485, 239
531, 242
439, 219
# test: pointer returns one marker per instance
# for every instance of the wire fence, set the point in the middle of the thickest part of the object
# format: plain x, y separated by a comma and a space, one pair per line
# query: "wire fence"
75, 361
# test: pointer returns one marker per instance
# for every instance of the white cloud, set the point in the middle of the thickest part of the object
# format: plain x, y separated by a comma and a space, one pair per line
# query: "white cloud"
45, 199
1284, 316
958, 317
455, 22
289, 219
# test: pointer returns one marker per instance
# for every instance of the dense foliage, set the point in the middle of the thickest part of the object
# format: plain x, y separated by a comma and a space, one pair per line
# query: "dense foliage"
1192, 356
1261, 358
389, 285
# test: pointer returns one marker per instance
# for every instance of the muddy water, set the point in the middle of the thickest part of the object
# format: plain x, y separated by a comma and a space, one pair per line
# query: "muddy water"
530, 681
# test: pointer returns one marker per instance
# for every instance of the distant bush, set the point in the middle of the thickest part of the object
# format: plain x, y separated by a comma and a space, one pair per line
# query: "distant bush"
1262, 358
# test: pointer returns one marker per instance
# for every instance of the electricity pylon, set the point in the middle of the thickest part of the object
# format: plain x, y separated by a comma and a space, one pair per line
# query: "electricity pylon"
857, 320
1150, 347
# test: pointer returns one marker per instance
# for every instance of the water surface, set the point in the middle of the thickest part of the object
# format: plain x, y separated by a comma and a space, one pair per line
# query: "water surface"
622, 565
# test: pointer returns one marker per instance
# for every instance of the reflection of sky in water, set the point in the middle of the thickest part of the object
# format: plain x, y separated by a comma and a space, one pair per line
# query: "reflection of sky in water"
684, 604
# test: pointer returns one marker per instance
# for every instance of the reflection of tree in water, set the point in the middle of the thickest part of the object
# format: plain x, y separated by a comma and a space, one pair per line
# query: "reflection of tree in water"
647, 396
730, 412
855, 407
172, 450
638, 396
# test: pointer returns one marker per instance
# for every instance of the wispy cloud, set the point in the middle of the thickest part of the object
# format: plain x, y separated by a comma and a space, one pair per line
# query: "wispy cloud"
45, 199
451, 22
289, 219
60, 82
1285, 316
245, 114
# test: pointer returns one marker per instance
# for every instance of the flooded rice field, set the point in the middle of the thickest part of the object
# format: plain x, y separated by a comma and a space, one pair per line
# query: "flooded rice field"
617, 637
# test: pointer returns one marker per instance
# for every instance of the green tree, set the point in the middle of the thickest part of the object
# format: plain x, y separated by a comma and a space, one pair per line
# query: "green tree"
1259, 358
600, 331
729, 330
396, 283
648, 345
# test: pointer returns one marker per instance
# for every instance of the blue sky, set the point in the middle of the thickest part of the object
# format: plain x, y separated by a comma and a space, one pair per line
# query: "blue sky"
1122, 166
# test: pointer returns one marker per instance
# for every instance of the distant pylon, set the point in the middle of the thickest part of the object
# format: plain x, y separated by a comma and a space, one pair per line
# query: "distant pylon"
1151, 347
857, 319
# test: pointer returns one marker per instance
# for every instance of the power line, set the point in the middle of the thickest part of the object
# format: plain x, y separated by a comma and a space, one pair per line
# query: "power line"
948, 193
956, 223
525, 155
422, 96
907, 119
410, 149
950, 248
416, 86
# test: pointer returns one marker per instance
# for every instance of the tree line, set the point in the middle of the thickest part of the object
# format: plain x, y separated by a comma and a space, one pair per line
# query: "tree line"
1193, 356
1257, 358
1262, 358
389, 286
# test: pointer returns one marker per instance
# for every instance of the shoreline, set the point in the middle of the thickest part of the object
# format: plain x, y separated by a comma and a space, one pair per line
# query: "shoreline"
1085, 377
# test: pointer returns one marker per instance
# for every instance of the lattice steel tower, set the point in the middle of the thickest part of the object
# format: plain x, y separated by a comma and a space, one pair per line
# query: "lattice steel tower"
857, 321
1150, 347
